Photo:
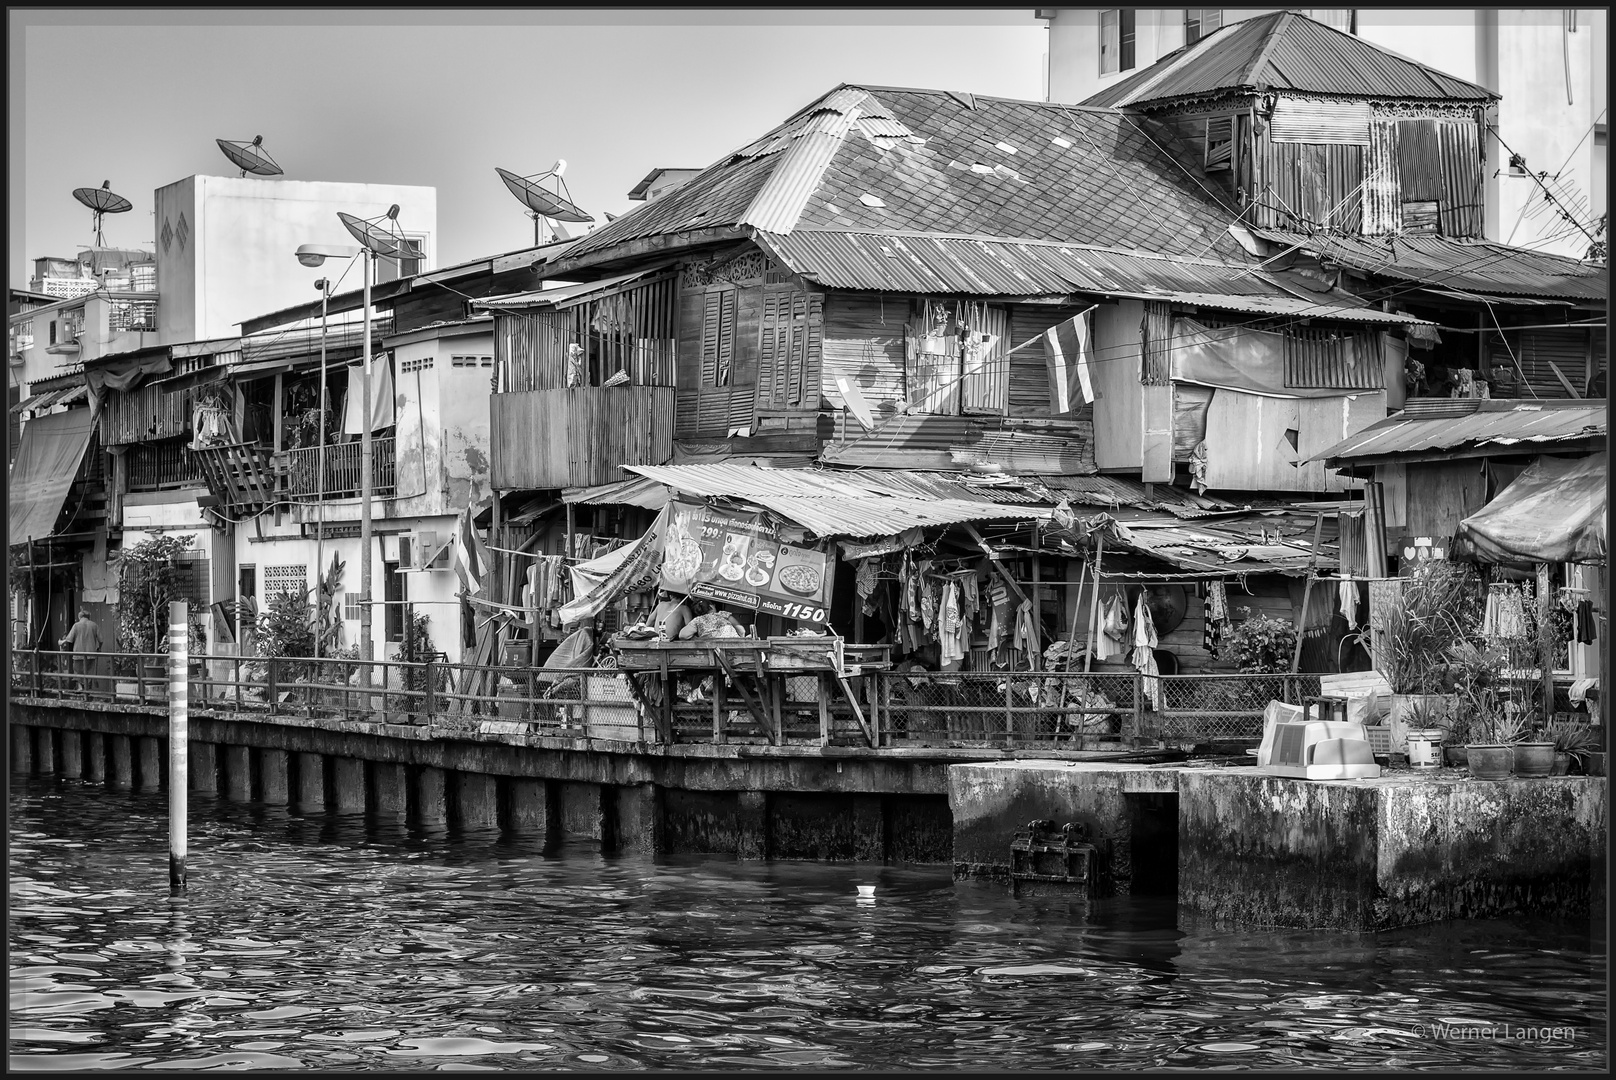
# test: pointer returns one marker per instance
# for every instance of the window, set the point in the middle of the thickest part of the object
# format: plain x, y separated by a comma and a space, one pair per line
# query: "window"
718, 338
954, 359
420, 363
350, 606
53, 332
471, 361
1219, 143
393, 269
1116, 40
393, 592
788, 349
1199, 22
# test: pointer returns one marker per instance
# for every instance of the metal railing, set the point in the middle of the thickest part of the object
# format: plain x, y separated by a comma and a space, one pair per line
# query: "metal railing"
155, 465
341, 469
895, 709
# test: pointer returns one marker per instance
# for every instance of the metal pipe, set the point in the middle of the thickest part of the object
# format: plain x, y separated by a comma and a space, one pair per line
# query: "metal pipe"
366, 487
178, 741
319, 457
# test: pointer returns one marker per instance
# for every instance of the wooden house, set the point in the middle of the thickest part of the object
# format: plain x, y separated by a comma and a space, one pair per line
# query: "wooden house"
869, 285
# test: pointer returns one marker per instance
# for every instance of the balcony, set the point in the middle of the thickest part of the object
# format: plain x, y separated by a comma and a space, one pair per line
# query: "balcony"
302, 470
154, 466
578, 437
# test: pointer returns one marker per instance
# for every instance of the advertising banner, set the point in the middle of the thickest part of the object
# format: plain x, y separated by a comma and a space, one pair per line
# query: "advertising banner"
737, 559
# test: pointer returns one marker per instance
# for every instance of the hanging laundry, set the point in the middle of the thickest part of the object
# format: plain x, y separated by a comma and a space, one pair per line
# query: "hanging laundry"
864, 577
999, 627
949, 625
1505, 615
1144, 650
1347, 596
1584, 621
1025, 639
1113, 640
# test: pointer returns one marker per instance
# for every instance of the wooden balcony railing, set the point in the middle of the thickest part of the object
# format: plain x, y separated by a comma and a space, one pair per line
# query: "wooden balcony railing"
161, 465
341, 470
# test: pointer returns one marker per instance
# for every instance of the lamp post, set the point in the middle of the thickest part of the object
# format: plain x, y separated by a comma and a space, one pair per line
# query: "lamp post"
375, 243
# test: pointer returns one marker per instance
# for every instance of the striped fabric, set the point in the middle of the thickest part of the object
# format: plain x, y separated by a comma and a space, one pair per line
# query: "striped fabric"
1066, 355
470, 558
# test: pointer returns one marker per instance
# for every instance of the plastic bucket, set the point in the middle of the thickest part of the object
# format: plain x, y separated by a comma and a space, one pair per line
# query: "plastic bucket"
1424, 749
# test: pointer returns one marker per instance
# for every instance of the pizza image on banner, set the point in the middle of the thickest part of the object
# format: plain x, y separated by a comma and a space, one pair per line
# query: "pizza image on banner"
800, 573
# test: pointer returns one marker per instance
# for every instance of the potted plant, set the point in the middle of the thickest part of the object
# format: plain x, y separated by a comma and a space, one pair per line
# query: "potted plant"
1493, 726
1440, 604
1534, 756
1572, 743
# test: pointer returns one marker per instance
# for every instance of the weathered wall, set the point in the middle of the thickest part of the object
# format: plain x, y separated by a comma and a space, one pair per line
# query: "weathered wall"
1261, 850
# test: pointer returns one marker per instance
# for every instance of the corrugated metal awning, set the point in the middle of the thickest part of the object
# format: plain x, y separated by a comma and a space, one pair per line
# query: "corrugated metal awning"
1491, 423
50, 399
563, 295
1280, 305
829, 504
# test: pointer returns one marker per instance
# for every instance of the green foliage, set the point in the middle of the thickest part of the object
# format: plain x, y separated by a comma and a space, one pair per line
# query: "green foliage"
149, 578
1484, 706
1259, 645
284, 629
1441, 603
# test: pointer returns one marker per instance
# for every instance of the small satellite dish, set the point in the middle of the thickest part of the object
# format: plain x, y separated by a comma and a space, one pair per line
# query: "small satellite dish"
250, 157
855, 401
102, 201
379, 240
541, 202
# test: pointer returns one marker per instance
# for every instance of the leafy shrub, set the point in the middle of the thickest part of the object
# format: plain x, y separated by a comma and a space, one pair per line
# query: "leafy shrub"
1259, 645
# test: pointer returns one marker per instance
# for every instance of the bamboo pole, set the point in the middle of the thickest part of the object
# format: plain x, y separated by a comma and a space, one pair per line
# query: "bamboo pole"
1307, 591
178, 741
1094, 602
1545, 609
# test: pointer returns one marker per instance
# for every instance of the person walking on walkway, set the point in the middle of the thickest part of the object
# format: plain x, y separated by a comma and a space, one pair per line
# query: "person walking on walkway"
84, 642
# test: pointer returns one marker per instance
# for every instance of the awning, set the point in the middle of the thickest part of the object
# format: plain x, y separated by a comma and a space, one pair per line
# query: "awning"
1552, 512
830, 503
600, 581
47, 460
50, 399
565, 295
637, 491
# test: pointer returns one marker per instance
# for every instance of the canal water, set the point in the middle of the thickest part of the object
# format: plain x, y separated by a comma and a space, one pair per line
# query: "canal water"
327, 943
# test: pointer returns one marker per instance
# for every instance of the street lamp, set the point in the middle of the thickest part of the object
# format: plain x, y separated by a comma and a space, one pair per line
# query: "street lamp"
374, 243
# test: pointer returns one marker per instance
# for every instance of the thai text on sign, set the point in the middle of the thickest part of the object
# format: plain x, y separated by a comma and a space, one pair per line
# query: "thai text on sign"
737, 558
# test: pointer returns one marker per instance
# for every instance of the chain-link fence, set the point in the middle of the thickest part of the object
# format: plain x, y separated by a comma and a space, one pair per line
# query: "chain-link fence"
978, 708
1215, 708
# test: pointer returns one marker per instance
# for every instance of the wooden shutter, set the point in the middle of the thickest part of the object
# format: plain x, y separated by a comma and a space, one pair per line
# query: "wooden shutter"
789, 349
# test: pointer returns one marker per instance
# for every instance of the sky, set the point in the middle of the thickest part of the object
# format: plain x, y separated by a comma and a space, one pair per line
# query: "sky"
439, 97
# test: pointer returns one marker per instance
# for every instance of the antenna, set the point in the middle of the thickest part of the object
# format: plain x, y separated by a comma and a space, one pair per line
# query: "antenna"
379, 240
541, 203
103, 202
250, 157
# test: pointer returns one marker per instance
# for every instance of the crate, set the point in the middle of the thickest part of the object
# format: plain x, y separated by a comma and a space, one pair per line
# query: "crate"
1380, 738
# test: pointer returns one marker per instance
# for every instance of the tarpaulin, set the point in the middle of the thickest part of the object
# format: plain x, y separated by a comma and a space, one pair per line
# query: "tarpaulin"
381, 396
637, 566
1552, 512
1253, 361
47, 461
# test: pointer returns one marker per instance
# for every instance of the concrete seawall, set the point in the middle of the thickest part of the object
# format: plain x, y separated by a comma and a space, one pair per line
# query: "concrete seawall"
1249, 849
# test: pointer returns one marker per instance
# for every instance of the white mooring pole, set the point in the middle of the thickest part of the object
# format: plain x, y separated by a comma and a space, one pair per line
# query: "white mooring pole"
179, 709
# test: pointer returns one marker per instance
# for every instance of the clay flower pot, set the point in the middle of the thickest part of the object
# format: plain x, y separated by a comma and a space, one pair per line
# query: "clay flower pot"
1457, 756
1490, 761
1534, 758
1562, 764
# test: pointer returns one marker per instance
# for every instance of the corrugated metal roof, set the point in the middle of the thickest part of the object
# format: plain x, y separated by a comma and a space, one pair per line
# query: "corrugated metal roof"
829, 504
562, 293
1286, 51
1280, 305
1469, 265
1087, 176
1225, 547
1493, 423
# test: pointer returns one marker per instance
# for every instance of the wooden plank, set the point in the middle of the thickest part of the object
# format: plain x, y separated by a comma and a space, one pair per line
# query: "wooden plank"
1156, 416
752, 705
858, 713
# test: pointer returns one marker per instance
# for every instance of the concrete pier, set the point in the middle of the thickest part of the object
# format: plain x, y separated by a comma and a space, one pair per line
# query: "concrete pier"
389, 790
476, 801
22, 749
45, 751
529, 807
752, 825
274, 767
153, 760
428, 805
202, 760
311, 783
1396, 851
95, 757
348, 785
640, 820
869, 829
72, 754
583, 811
238, 785
123, 761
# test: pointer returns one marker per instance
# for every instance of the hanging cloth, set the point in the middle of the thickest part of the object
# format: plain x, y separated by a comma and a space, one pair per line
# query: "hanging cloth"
1347, 596
1584, 620
1144, 650
1113, 629
949, 624
1025, 638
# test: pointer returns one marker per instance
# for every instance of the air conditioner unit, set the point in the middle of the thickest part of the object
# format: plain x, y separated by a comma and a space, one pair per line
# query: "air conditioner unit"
1317, 750
431, 552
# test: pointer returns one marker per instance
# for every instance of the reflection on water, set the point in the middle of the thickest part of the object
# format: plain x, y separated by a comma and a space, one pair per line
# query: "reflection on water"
321, 943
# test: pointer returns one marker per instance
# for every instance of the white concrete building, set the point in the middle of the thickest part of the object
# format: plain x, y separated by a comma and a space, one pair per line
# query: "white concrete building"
1548, 64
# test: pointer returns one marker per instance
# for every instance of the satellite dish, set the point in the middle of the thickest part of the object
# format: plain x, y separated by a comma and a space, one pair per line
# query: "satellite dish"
855, 402
250, 157
379, 240
541, 202
102, 201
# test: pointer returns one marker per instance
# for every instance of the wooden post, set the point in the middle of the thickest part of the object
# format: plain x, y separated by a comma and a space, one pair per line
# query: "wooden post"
1037, 604
1094, 602
178, 741
824, 710
1307, 590
429, 695
272, 684
1545, 661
